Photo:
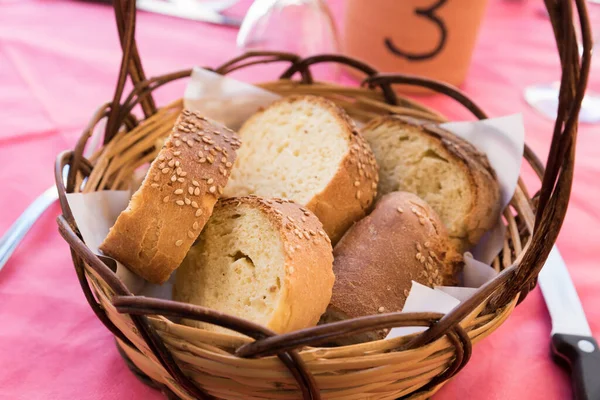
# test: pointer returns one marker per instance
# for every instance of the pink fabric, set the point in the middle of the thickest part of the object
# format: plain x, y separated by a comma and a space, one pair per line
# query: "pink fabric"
58, 63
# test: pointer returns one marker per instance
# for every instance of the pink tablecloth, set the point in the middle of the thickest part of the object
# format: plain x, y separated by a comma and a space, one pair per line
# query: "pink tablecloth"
58, 62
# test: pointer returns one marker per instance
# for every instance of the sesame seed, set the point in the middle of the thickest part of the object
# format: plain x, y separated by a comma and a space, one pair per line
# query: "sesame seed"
358, 193
156, 177
183, 173
419, 248
180, 180
303, 218
220, 189
431, 253
210, 181
212, 189
178, 243
195, 226
165, 199
177, 163
161, 158
219, 149
202, 160
161, 165
196, 192
194, 204
165, 170
155, 185
406, 292
312, 233
178, 170
400, 210
200, 154
327, 238
176, 135
190, 143
177, 143
321, 233
199, 212
187, 201
307, 213
291, 219
381, 309
418, 256
374, 185
223, 159
206, 148
213, 152
427, 244
422, 221
195, 183
178, 191
173, 178
177, 153
414, 210
429, 259
228, 164
357, 183
210, 159
296, 231
306, 235
222, 170
191, 235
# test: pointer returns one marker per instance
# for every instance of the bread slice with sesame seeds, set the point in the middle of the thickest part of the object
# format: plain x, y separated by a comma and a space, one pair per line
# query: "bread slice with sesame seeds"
444, 170
166, 214
307, 149
401, 241
265, 260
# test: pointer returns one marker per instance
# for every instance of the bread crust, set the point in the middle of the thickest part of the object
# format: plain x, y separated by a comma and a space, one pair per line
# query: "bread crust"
402, 240
485, 206
167, 213
309, 278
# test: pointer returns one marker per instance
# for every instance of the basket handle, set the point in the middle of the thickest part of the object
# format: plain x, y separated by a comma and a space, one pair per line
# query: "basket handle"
131, 65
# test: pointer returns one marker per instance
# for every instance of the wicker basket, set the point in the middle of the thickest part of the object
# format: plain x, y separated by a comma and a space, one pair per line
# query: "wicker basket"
190, 363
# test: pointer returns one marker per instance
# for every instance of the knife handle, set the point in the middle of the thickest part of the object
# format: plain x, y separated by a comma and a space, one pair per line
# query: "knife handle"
582, 356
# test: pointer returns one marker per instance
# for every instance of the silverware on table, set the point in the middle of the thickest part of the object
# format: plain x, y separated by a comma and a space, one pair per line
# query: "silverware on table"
572, 341
11, 239
206, 11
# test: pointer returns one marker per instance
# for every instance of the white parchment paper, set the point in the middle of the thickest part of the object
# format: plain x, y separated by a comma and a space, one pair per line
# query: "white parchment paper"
232, 102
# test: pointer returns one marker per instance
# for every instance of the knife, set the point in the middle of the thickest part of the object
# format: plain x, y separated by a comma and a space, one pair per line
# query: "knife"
572, 343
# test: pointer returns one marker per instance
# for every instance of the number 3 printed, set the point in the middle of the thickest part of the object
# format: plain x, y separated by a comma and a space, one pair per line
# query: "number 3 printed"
427, 13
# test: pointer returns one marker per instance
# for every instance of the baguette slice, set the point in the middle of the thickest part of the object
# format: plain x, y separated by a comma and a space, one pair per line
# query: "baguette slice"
378, 258
307, 149
166, 214
268, 261
449, 173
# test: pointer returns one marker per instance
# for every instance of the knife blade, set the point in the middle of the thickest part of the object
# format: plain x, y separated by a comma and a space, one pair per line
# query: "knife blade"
572, 343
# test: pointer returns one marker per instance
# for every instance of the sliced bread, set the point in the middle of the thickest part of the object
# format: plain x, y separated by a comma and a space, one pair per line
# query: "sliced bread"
166, 214
444, 170
401, 241
268, 261
307, 149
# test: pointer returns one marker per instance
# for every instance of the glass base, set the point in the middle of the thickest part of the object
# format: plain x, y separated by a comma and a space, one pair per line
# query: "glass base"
544, 99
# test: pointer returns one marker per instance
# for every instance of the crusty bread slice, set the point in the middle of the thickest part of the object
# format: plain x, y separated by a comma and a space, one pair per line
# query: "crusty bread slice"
307, 149
444, 170
268, 261
166, 214
401, 241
